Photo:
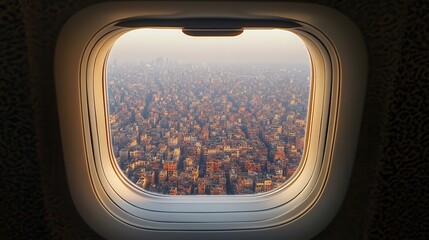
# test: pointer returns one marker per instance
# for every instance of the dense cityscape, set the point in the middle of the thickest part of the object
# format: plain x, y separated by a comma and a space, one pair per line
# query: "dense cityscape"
207, 129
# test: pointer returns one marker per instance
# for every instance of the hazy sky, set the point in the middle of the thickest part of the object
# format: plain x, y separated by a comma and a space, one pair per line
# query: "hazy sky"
265, 46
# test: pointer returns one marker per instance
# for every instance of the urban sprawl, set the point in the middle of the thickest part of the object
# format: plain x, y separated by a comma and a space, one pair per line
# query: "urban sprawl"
207, 129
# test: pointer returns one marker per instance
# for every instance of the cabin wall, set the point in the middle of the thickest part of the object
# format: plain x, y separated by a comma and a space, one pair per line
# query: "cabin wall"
389, 183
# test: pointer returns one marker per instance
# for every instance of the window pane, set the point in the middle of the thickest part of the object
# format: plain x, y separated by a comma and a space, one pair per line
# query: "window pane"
208, 115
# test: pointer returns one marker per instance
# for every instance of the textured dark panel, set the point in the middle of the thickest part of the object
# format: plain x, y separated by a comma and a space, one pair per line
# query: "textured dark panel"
389, 184
22, 213
400, 206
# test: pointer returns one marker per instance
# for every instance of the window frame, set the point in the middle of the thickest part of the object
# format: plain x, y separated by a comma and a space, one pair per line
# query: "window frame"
311, 197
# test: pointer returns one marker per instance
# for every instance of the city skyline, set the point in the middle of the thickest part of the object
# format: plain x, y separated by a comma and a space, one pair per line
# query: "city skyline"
252, 46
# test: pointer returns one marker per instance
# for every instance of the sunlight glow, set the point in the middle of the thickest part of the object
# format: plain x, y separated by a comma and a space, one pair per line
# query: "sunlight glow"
268, 46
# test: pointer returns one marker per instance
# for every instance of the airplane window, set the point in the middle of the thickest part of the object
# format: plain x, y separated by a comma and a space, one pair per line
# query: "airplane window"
208, 115
249, 111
